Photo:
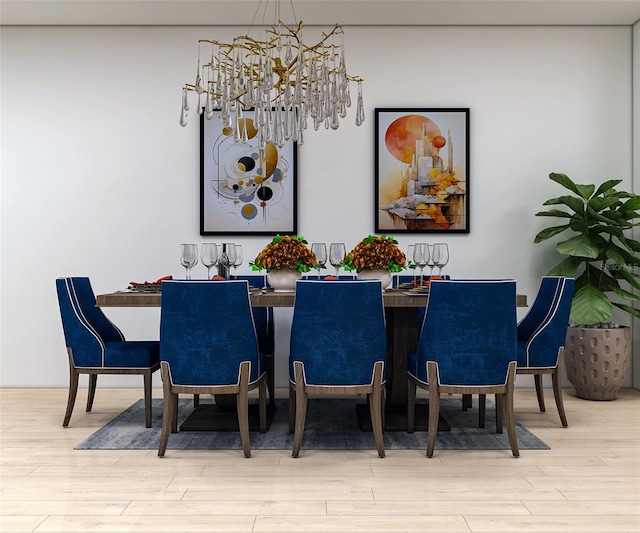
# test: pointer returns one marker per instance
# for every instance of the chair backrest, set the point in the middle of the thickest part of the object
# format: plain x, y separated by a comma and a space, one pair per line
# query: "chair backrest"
262, 317
544, 329
338, 331
206, 331
469, 329
86, 327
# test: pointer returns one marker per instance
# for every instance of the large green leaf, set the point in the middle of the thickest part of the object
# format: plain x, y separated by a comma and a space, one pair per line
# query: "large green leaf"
590, 306
554, 213
567, 267
580, 245
598, 203
633, 278
550, 232
607, 186
631, 206
585, 191
632, 311
573, 203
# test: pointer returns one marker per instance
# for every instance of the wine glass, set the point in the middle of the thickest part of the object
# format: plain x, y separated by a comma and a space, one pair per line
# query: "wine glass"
227, 257
430, 263
410, 264
319, 249
188, 257
209, 256
337, 253
440, 255
421, 258
238, 260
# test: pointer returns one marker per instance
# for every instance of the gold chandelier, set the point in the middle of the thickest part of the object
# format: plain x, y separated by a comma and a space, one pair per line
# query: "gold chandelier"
285, 81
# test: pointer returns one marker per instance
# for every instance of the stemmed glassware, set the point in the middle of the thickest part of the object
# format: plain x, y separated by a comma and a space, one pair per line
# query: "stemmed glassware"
319, 249
430, 263
440, 255
238, 260
410, 264
227, 254
188, 257
209, 256
337, 253
421, 258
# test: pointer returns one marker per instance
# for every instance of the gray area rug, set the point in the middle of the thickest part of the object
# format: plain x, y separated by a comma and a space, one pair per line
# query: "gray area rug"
331, 425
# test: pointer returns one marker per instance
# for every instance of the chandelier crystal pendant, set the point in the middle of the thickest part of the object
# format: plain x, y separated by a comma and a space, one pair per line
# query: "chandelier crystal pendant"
286, 82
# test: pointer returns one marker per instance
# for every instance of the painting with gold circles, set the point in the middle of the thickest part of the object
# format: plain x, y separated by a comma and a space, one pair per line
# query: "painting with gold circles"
422, 170
247, 187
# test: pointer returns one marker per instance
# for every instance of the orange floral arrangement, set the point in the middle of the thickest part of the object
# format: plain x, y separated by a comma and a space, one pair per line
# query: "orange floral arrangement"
285, 252
376, 252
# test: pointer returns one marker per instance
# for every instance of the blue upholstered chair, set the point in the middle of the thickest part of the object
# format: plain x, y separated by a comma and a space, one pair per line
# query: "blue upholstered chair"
208, 345
263, 319
338, 346
467, 346
541, 337
96, 346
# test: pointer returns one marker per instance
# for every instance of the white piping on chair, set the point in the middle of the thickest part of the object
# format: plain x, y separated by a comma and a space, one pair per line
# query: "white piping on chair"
75, 305
551, 313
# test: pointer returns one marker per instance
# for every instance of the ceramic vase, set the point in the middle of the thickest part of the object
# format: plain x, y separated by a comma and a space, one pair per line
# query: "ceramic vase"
283, 279
377, 273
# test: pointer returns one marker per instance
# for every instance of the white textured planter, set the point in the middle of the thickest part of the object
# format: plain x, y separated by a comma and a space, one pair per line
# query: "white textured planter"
377, 273
596, 361
283, 279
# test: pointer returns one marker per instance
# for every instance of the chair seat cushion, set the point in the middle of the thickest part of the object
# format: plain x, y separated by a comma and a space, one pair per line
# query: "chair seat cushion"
132, 354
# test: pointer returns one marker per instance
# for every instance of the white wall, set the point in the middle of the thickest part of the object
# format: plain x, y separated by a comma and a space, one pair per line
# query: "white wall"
99, 179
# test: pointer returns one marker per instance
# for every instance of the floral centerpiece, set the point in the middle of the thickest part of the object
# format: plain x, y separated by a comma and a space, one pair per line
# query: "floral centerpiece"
376, 254
285, 252
285, 258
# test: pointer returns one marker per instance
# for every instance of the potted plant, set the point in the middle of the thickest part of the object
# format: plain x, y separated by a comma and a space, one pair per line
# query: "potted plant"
377, 257
285, 259
603, 258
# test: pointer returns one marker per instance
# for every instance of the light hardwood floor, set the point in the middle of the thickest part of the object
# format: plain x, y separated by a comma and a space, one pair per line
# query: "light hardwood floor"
588, 481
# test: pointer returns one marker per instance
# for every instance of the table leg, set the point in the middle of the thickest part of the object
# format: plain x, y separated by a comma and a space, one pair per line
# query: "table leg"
402, 338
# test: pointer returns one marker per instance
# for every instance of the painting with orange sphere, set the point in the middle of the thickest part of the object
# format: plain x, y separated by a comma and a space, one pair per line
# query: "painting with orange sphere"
422, 170
246, 187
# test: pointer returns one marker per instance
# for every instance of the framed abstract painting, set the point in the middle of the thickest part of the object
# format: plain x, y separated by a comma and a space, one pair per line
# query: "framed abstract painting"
422, 170
245, 190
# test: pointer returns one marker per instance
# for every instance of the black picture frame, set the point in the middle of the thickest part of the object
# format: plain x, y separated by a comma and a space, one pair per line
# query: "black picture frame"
418, 189
241, 191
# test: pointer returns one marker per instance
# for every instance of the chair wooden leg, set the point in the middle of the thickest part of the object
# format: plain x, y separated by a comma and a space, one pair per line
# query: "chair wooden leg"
91, 391
508, 407
537, 378
556, 379
499, 412
169, 411
148, 377
242, 406
482, 409
301, 408
271, 386
411, 405
292, 407
174, 422
262, 399
434, 407
196, 400
375, 408
73, 391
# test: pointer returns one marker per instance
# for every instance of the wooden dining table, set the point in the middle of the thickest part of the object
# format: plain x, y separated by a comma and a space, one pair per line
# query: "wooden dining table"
401, 312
